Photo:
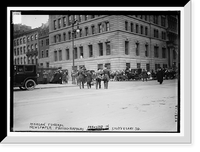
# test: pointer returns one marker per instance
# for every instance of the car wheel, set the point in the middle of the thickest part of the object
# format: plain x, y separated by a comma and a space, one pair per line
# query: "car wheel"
30, 84
22, 88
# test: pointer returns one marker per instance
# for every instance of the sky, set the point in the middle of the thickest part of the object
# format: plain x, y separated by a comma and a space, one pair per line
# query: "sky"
34, 20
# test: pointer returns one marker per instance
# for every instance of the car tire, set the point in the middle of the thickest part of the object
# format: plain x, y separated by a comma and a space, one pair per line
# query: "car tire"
30, 84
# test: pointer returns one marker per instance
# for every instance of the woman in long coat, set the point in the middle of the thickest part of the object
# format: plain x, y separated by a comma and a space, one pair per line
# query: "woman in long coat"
160, 75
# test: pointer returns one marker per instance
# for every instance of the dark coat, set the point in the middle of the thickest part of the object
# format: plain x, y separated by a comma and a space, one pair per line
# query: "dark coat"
89, 77
160, 75
106, 73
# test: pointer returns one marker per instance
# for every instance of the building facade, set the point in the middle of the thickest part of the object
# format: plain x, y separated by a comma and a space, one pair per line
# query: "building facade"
44, 46
19, 45
32, 46
117, 41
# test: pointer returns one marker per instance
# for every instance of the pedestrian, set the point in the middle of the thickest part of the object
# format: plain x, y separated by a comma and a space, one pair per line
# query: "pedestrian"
160, 75
98, 78
81, 77
59, 76
106, 77
88, 78
45, 77
144, 75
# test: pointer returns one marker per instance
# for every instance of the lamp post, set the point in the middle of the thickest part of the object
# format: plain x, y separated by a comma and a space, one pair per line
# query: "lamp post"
73, 33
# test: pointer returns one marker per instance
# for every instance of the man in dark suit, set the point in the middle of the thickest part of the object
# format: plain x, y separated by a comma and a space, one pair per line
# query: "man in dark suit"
106, 77
160, 75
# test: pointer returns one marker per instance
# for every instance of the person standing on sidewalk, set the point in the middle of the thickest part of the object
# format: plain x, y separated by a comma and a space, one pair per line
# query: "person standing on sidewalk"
144, 75
160, 75
88, 78
106, 77
98, 78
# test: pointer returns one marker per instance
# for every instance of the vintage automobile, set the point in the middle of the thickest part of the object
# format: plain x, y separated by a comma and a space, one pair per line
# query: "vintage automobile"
25, 76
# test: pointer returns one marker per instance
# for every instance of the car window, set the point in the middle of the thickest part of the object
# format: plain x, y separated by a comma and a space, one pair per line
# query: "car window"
28, 68
20, 69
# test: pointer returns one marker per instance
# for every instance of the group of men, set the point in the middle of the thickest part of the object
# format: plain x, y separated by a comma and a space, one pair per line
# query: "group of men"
90, 76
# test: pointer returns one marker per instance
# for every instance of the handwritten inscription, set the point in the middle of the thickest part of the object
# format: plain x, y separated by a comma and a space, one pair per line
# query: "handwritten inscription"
53, 127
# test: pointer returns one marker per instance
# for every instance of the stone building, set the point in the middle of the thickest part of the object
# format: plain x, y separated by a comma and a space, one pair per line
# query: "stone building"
117, 41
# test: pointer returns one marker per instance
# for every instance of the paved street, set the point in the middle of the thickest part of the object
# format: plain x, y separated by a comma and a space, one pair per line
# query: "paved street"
125, 106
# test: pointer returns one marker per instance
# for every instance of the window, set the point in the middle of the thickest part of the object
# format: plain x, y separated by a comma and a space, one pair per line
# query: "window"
131, 27
146, 30
64, 21
92, 16
55, 56
59, 23
137, 49
20, 50
47, 64
28, 48
155, 19
69, 19
32, 47
138, 65
156, 33
86, 17
54, 38
163, 21
137, 30
42, 54
126, 47
90, 50
108, 48
24, 60
100, 66
64, 36
141, 29
28, 39
146, 50
163, 35
59, 37
21, 41
69, 35
163, 52
128, 65
47, 41
145, 17
42, 43
164, 66
148, 67
60, 55
156, 52
80, 18
100, 28
86, 31
126, 25
107, 26
24, 40
17, 51
36, 36
107, 65
80, 32
21, 60
93, 29
100, 49
31, 37
75, 53
67, 54
20, 68
157, 66
47, 53
36, 47
54, 24
81, 51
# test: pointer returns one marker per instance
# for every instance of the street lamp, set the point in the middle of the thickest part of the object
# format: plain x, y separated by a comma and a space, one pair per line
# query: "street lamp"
73, 33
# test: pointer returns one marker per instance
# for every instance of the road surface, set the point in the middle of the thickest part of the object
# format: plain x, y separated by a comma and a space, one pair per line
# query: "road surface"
124, 106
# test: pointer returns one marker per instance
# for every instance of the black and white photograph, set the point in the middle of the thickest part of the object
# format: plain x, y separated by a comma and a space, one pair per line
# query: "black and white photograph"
98, 72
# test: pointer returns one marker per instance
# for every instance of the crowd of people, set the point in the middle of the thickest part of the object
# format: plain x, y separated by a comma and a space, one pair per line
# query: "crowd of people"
92, 77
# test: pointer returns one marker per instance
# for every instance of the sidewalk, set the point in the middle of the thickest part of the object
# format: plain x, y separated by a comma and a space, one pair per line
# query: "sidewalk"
51, 85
